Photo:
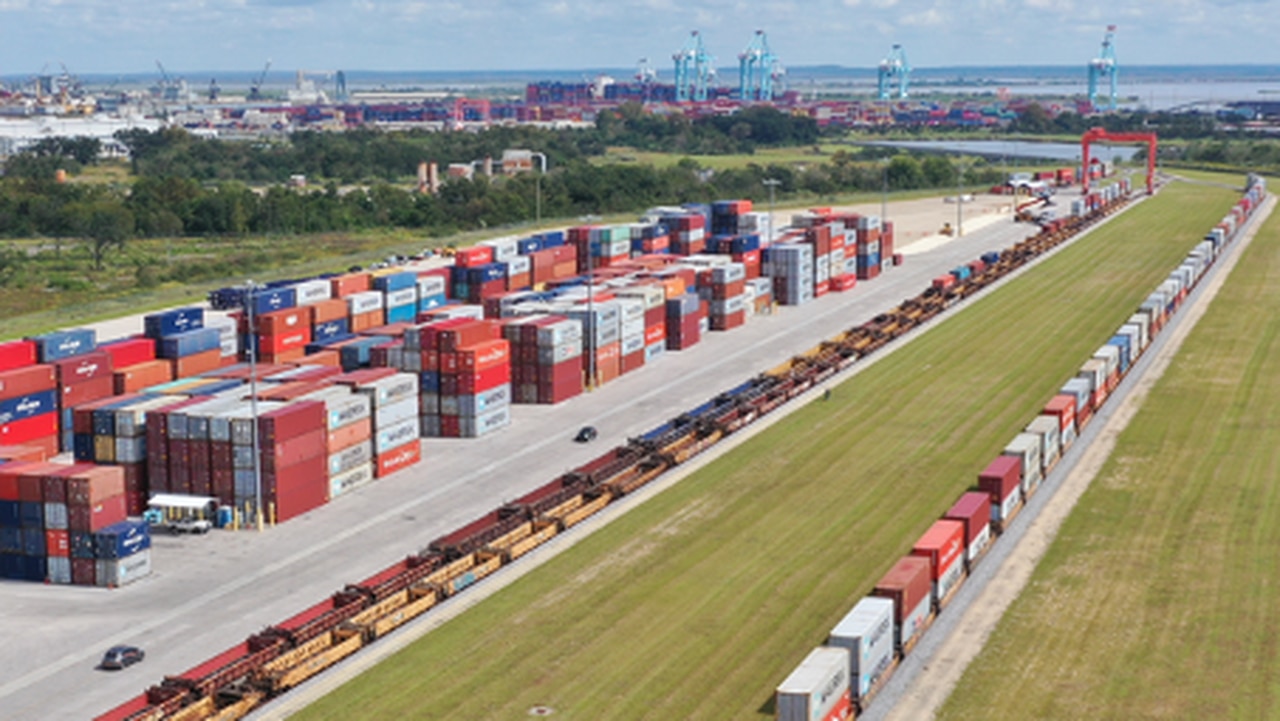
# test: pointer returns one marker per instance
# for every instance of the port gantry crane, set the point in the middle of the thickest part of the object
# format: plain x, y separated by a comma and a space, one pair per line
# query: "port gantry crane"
894, 68
758, 70
1104, 66
694, 70
646, 75
255, 88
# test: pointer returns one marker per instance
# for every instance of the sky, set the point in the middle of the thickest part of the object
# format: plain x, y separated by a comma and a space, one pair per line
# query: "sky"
125, 36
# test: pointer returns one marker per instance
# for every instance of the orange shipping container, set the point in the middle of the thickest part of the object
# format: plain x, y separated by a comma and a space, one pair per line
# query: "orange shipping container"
284, 356
345, 285
350, 434
365, 321
197, 364
141, 375
322, 358
283, 322
23, 453
327, 310
478, 357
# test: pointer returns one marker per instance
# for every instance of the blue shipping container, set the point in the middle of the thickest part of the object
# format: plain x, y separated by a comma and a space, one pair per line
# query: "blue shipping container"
82, 447
10, 567
33, 541
123, 539
1122, 342
28, 406
395, 281
402, 313
265, 301
81, 545
10, 514
172, 322
429, 382
529, 245
329, 329
431, 302
10, 539
190, 343
65, 344
35, 568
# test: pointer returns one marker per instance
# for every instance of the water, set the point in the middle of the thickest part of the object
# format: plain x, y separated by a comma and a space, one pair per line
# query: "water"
1014, 149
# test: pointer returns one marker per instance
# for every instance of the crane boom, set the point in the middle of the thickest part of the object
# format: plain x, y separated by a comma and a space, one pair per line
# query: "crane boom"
1105, 66
894, 68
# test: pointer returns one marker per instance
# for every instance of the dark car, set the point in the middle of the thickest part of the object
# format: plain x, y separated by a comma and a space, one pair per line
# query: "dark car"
118, 657
586, 435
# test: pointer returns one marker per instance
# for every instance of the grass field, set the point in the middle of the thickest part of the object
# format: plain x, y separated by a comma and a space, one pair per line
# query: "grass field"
696, 604
1158, 598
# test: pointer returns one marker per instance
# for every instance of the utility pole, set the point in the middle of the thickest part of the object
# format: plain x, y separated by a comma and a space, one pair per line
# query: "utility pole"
250, 296
538, 188
772, 183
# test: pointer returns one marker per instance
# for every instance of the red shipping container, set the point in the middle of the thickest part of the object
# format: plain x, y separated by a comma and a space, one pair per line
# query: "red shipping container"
57, 543
302, 476
363, 376
471, 383
30, 480
474, 256
135, 502
290, 421
17, 354
1064, 407
297, 502
295, 450
179, 465
557, 393
96, 389
28, 380
477, 358
608, 363
83, 368
90, 484
1001, 478
728, 322
84, 572
973, 509
397, 459
632, 362
569, 371
943, 544
282, 322
345, 285
135, 477
907, 584
142, 375
464, 334
196, 364
30, 431
87, 519
129, 351
13, 454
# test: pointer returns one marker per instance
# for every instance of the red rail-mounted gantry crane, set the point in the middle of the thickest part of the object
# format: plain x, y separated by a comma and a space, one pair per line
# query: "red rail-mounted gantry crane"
1093, 135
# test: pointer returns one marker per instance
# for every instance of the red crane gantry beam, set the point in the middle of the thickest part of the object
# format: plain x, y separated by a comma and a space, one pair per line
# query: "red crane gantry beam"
1093, 135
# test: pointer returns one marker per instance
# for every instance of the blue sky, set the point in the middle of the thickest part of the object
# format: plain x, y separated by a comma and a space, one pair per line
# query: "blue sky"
188, 35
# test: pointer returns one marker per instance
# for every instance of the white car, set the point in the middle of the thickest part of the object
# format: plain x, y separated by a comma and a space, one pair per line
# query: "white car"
189, 525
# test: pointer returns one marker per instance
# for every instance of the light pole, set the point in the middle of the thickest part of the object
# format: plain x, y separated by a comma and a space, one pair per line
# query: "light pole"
250, 298
960, 168
884, 190
538, 188
591, 328
772, 183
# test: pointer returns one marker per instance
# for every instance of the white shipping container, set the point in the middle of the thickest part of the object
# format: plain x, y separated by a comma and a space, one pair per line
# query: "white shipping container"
654, 351
397, 434
948, 580
634, 344
560, 353
130, 449
124, 571
478, 404
559, 333
59, 570
979, 542
519, 265
867, 632
1026, 447
364, 302
474, 427
309, 292
350, 480
1007, 505
1110, 355
393, 413
389, 390
350, 457
404, 296
1050, 432
503, 248
913, 624
429, 285
1142, 322
818, 689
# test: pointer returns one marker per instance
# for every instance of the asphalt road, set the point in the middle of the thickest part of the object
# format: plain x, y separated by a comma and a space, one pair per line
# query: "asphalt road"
208, 593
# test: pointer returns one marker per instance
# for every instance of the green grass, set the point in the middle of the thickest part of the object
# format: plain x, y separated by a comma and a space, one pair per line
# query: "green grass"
794, 156
1158, 598
698, 603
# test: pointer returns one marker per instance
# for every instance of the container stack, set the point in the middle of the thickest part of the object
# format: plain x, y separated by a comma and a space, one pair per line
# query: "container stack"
652, 298
432, 291
791, 266
609, 245
868, 247
51, 516
602, 332
400, 295
280, 336
394, 408
631, 336
64, 350
547, 359
724, 290
684, 318
28, 399
135, 365
291, 442
650, 238
365, 310
349, 438
688, 232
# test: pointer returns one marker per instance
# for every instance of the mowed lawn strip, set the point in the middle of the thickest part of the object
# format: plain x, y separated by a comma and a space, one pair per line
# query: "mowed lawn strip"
698, 603
1159, 597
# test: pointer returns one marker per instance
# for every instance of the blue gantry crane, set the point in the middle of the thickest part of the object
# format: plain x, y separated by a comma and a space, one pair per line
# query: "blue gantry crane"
1104, 66
694, 70
894, 70
758, 69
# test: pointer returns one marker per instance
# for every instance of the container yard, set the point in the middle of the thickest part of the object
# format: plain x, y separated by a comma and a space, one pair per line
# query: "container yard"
720, 283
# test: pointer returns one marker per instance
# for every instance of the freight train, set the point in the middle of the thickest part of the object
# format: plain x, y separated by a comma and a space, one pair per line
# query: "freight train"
840, 678
284, 655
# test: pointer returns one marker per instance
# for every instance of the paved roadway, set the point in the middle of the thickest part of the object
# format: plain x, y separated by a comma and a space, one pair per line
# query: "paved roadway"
208, 593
